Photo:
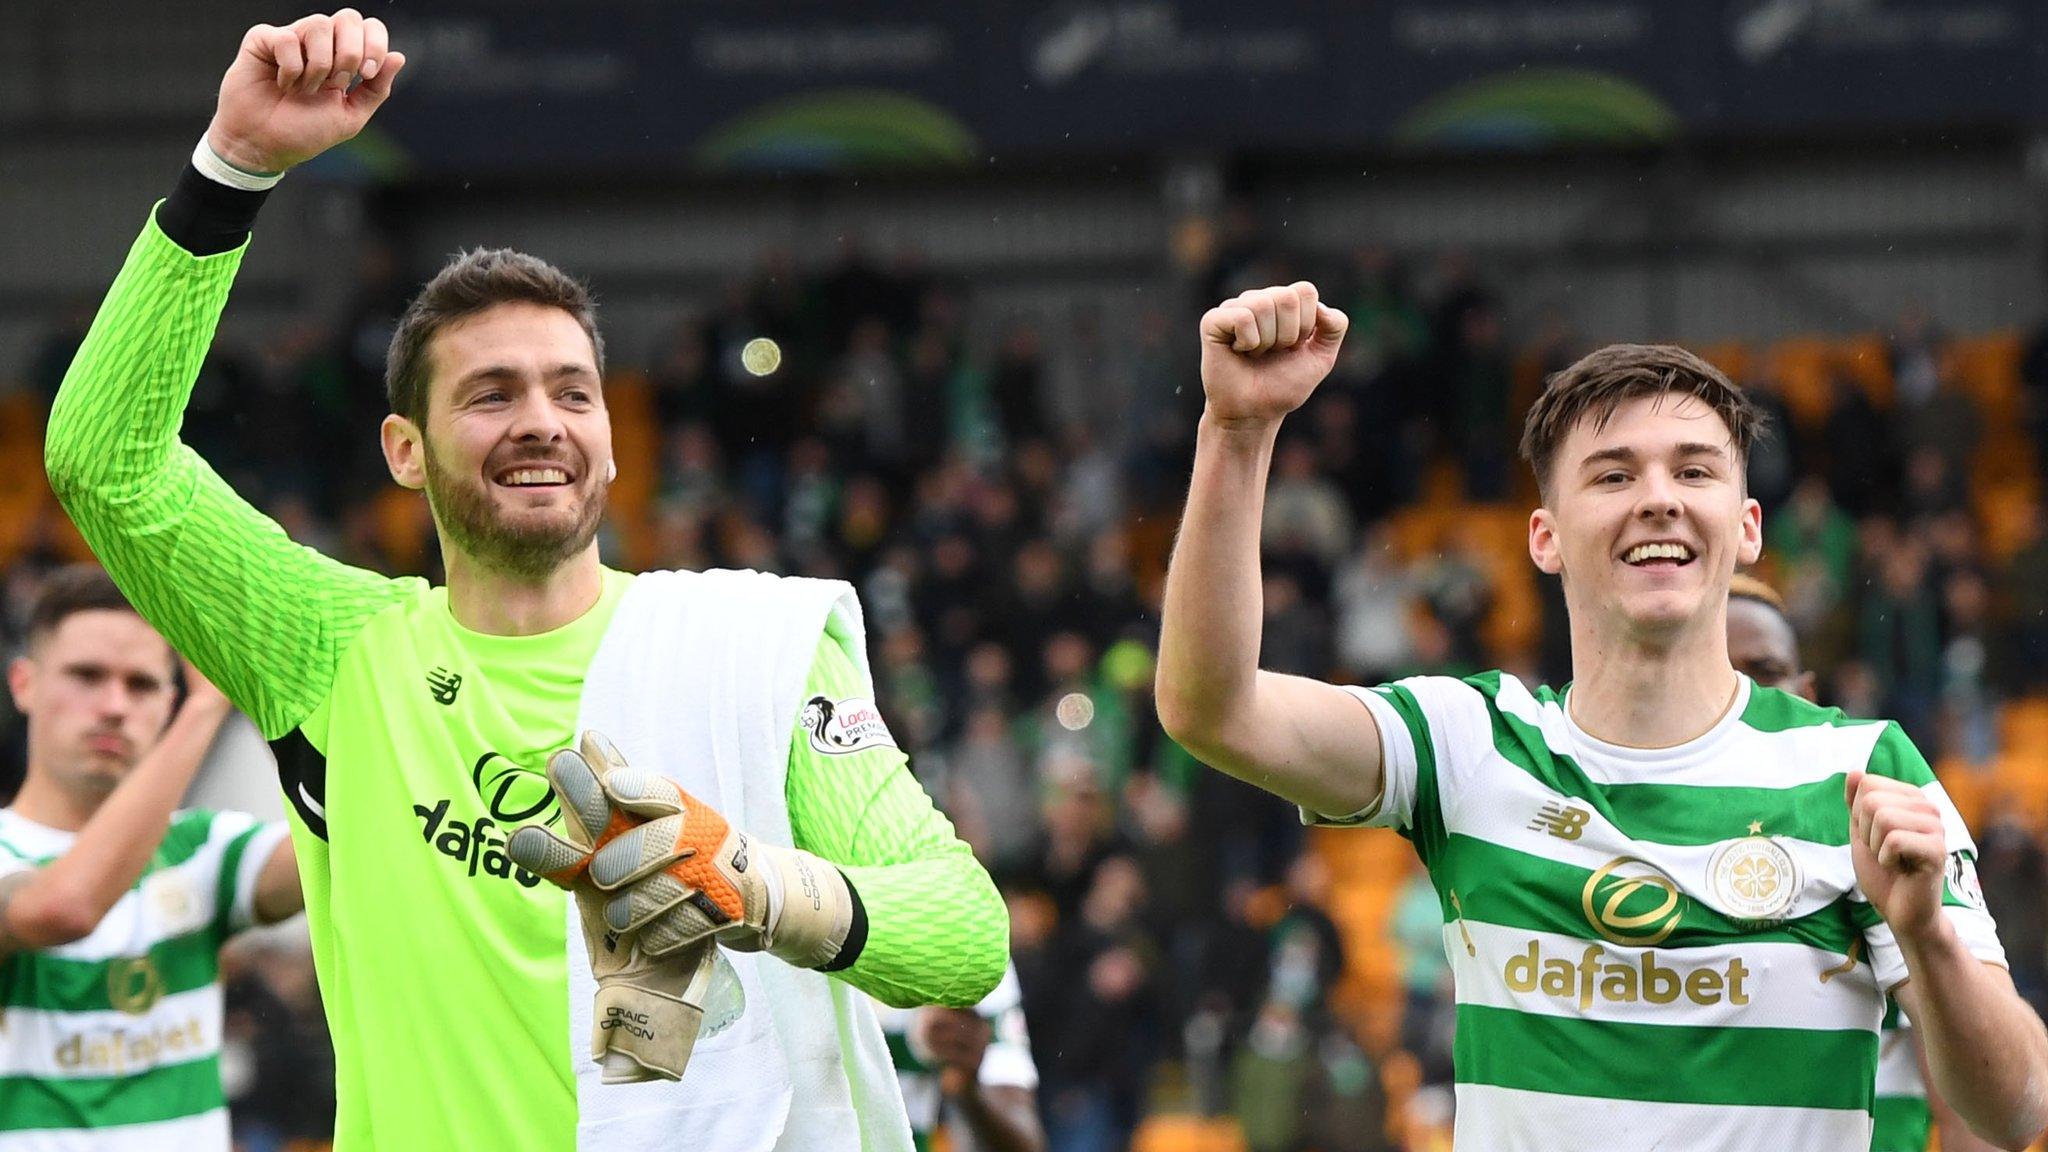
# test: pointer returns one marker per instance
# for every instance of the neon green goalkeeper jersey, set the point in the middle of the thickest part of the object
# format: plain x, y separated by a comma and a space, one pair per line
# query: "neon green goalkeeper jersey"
410, 746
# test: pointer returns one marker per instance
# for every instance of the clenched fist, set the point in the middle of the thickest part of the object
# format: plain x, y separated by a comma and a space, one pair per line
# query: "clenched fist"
1899, 849
288, 96
1265, 351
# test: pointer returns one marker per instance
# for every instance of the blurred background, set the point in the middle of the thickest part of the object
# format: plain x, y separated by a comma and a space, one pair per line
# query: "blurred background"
980, 236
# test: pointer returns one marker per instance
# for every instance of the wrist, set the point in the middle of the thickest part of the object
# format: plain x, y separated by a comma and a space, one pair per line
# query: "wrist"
227, 161
1931, 944
1246, 430
814, 910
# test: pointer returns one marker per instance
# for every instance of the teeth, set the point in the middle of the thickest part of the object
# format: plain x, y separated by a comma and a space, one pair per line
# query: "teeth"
537, 476
1642, 552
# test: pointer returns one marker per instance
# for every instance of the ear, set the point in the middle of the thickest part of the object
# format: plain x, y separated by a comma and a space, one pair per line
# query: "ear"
21, 684
405, 452
1543, 547
1751, 548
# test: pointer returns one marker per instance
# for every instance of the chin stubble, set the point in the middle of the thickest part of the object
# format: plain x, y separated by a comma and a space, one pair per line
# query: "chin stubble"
472, 524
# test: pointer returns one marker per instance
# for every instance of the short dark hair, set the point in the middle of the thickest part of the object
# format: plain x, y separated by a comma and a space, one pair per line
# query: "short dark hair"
1602, 381
70, 590
469, 283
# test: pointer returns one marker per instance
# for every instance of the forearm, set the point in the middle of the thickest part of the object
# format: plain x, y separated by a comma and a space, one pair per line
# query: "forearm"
1300, 739
1212, 618
67, 898
1001, 1119
113, 428
1987, 1054
264, 618
938, 932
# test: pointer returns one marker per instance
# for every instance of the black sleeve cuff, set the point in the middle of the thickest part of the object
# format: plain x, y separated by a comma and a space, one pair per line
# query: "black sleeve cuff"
856, 936
206, 217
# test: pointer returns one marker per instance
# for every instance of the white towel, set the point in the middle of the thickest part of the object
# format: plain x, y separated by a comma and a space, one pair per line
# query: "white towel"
701, 676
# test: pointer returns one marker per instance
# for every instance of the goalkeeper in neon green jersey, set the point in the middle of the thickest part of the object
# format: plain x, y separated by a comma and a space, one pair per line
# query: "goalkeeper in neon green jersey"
414, 723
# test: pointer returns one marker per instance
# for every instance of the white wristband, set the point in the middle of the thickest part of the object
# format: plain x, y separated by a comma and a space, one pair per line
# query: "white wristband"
219, 171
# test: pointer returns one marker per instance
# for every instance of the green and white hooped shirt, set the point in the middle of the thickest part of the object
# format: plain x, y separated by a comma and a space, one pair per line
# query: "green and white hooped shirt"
112, 1042
1654, 948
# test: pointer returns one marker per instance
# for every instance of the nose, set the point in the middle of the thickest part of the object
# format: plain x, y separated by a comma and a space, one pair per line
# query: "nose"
1659, 500
114, 700
535, 418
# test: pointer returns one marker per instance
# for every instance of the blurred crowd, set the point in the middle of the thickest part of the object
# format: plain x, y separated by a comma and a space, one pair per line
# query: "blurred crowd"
1003, 490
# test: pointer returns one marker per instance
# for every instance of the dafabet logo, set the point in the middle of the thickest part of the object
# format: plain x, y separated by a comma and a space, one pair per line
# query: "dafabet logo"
1630, 902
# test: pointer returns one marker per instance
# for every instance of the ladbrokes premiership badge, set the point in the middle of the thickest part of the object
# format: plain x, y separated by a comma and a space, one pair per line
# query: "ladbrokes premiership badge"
1754, 878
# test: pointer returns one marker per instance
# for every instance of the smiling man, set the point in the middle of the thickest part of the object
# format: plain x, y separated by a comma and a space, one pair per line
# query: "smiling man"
472, 1004
1674, 899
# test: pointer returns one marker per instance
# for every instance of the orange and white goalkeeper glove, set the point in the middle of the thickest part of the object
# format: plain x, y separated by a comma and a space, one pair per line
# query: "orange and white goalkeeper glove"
686, 876
649, 1008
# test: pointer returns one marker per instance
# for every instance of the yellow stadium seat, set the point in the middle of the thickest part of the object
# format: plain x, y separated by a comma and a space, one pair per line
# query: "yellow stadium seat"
636, 445
1179, 1132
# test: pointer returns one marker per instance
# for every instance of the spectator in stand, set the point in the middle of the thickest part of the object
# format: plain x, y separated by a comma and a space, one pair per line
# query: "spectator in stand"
1372, 604
1306, 515
2026, 593
1856, 448
1093, 1065
1774, 458
1900, 634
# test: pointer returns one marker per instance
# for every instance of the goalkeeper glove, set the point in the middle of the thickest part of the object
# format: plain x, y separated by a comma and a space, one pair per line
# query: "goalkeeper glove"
686, 876
649, 1008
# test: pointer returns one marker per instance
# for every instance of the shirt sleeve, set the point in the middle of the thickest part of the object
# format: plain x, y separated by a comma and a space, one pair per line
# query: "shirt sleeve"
937, 930
245, 845
265, 619
1399, 737
1962, 898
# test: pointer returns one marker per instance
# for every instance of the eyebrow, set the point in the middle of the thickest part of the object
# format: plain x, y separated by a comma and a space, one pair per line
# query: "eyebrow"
507, 372
90, 668
1622, 454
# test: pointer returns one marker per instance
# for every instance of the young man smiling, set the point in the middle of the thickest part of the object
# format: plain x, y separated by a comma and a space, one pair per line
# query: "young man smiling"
1674, 900
415, 723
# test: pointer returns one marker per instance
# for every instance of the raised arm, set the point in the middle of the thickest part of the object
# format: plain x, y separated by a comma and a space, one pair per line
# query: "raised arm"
1263, 353
67, 898
264, 617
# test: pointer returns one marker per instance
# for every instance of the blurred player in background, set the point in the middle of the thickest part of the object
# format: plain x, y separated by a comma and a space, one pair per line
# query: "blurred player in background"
970, 1071
418, 725
1763, 646
113, 906
1675, 902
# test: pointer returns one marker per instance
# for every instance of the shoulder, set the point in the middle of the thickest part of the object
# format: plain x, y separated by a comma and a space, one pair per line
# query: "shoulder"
1820, 732
410, 599
1773, 710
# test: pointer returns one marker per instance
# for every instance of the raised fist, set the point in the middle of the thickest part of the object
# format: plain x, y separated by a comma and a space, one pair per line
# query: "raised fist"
1264, 352
287, 98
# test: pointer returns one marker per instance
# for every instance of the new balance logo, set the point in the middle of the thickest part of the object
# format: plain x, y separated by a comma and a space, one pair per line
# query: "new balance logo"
1563, 822
444, 685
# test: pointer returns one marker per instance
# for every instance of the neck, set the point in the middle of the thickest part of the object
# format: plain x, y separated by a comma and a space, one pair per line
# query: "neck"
1644, 693
498, 603
42, 801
